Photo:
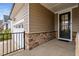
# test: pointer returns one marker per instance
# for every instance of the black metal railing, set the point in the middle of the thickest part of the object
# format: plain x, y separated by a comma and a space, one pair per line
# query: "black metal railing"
11, 42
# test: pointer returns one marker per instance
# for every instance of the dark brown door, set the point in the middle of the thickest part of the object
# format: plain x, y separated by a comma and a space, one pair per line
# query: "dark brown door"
64, 25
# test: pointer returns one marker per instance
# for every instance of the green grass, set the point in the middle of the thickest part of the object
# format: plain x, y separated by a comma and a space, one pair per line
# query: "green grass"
5, 35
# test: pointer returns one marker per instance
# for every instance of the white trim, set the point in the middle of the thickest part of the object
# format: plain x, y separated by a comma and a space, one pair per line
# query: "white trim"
18, 22
64, 39
70, 8
28, 20
64, 11
71, 25
58, 26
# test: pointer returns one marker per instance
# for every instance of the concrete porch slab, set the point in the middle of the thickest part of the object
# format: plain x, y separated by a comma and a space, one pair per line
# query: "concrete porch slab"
51, 48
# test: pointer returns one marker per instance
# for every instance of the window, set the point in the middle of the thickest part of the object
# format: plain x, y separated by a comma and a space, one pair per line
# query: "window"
19, 26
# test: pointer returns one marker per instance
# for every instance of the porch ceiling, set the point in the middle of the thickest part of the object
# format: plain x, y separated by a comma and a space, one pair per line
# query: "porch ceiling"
55, 7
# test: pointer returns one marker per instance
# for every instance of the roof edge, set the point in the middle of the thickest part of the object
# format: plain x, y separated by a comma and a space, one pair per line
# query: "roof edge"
12, 9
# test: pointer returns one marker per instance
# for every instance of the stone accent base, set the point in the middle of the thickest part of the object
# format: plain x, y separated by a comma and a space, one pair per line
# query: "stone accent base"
35, 39
55, 34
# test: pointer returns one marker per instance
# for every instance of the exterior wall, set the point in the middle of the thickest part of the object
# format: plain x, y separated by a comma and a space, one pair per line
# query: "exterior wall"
56, 25
75, 20
35, 39
75, 26
41, 19
56, 22
41, 26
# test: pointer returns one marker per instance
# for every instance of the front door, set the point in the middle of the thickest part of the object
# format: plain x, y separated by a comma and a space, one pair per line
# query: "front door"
65, 26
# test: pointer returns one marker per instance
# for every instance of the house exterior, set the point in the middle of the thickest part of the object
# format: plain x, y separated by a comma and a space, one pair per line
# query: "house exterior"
6, 18
1, 25
41, 22
21, 12
7, 23
20, 21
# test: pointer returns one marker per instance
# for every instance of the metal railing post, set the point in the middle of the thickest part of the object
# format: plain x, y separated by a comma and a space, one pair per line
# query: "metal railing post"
3, 44
24, 40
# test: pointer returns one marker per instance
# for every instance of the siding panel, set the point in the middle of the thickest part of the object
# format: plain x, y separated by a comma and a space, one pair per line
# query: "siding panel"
41, 19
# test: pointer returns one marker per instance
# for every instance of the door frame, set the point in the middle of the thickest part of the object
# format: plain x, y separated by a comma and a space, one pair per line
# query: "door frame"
64, 11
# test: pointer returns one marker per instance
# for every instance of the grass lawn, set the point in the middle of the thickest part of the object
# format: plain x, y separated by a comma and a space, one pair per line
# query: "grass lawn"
5, 35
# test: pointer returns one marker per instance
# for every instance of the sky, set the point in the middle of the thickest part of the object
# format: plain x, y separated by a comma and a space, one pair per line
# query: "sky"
5, 9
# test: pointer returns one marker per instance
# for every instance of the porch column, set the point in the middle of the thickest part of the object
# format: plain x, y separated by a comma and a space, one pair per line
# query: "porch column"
77, 45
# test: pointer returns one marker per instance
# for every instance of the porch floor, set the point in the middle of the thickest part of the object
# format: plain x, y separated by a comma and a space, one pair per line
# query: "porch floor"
51, 48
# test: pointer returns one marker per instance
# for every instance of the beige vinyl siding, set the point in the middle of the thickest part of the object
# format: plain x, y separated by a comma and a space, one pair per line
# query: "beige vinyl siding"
75, 20
56, 22
56, 25
41, 19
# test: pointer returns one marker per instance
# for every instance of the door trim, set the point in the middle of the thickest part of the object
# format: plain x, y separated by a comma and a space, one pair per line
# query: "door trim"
64, 11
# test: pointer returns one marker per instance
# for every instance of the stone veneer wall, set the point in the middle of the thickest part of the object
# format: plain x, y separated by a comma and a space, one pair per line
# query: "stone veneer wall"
35, 39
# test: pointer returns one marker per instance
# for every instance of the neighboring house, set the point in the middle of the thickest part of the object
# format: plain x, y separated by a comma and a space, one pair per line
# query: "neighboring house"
7, 23
1, 25
44, 22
